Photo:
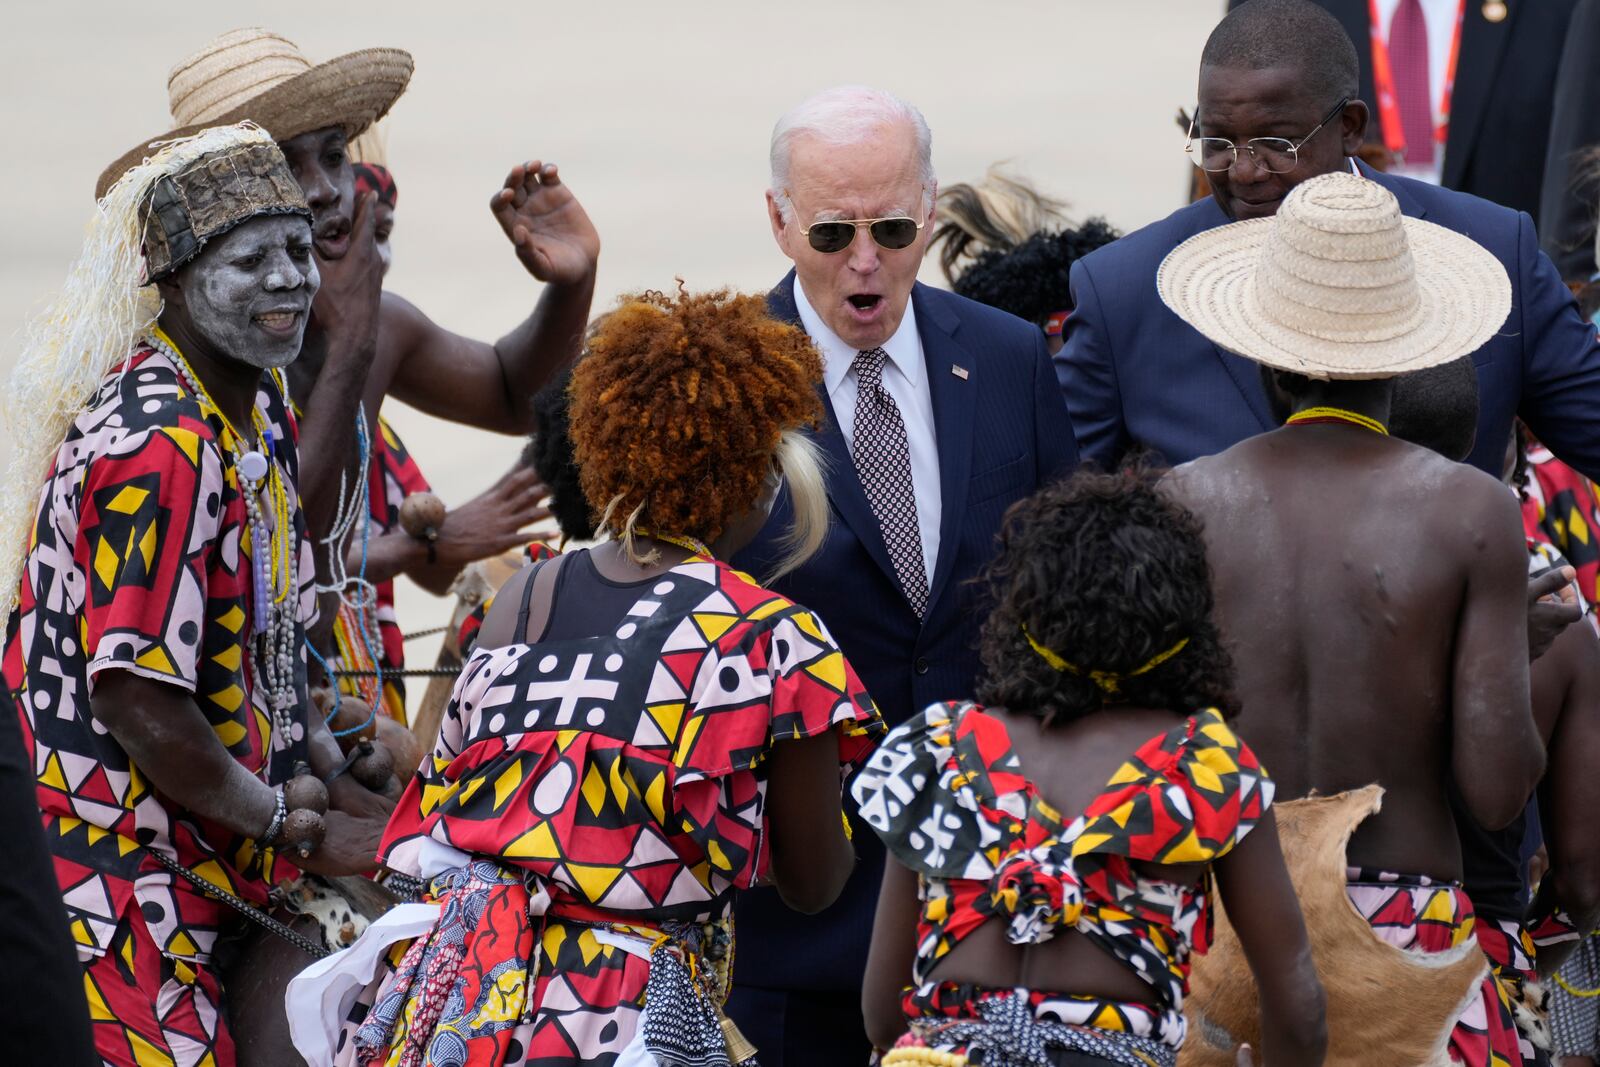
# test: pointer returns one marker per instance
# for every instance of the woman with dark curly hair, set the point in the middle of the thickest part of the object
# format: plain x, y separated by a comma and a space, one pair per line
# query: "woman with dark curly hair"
640, 733
1056, 842
1008, 245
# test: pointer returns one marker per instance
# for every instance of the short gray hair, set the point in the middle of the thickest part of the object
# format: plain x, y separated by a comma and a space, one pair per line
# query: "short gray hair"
847, 115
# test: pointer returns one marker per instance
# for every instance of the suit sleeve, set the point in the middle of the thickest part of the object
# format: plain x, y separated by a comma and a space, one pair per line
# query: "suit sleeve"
1054, 444
1561, 360
1087, 376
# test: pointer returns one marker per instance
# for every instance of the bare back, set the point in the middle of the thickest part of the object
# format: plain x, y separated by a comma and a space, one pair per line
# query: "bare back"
1372, 593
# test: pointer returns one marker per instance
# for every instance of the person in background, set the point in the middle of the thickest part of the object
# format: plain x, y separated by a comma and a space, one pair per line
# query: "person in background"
366, 633
1279, 103
1463, 90
1009, 246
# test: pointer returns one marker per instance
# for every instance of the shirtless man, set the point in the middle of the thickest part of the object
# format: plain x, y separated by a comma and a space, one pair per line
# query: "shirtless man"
1375, 640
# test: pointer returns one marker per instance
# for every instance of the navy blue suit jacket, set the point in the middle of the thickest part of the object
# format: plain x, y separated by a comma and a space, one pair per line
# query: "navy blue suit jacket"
1002, 432
1134, 374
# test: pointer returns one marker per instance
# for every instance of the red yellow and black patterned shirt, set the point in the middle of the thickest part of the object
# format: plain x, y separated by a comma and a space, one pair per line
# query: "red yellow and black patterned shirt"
140, 561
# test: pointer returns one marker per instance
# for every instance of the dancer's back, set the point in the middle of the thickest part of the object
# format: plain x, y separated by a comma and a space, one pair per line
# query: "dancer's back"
1372, 595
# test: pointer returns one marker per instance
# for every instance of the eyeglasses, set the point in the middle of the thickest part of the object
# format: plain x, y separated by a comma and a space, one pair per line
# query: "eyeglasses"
894, 232
1275, 154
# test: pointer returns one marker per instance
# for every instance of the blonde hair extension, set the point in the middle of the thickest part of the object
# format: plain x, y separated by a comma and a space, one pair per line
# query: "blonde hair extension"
87, 329
802, 463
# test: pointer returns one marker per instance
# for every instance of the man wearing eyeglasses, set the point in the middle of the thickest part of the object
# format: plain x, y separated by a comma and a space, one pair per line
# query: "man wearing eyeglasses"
941, 413
1278, 103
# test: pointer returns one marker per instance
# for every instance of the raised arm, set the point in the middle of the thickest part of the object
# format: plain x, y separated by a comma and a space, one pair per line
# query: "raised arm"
1265, 913
492, 386
1496, 754
1088, 377
344, 336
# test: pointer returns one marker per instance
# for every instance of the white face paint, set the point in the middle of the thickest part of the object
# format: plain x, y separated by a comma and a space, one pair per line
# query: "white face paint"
249, 291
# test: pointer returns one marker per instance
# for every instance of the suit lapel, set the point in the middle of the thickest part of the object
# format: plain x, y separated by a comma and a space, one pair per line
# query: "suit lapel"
1244, 373
1483, 44
955, 398
844, 487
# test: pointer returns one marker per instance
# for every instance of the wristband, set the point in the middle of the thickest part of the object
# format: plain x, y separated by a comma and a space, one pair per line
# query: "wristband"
280, 812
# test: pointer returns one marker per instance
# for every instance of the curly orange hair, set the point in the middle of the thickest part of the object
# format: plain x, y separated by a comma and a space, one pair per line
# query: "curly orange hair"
678, 406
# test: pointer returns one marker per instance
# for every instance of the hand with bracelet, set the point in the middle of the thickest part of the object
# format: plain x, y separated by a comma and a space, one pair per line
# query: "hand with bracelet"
432, 544
168, 738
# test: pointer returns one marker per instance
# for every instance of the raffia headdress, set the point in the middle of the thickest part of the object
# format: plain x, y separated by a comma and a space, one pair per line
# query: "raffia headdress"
156, 217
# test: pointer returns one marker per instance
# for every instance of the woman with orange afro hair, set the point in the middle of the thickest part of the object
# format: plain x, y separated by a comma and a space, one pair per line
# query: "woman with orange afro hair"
641, 732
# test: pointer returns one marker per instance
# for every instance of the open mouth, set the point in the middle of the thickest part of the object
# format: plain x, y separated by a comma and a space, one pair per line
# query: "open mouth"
333, 238
865, 301
278, 322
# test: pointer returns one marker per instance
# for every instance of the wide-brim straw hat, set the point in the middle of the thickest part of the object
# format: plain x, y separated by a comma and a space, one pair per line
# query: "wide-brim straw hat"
256, 75
1338, 284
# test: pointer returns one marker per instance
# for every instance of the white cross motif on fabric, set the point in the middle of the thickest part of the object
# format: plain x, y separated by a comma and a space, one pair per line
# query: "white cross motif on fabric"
575, 689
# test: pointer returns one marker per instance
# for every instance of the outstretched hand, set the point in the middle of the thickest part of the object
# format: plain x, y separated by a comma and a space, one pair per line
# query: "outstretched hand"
1552, 607
497, 520
545, 223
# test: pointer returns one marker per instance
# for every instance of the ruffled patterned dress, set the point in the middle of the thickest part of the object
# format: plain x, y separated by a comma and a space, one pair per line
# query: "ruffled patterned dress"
589, 811
947, 793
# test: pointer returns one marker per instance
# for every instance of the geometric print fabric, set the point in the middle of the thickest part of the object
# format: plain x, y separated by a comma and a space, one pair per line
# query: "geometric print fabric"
947, 794
139, 562
624, 776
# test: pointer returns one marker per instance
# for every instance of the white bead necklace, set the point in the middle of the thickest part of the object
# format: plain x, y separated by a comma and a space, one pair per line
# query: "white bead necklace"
272, 555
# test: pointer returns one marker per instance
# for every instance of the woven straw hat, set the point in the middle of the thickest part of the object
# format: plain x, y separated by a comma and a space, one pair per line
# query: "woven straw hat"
256, 75
1338, 284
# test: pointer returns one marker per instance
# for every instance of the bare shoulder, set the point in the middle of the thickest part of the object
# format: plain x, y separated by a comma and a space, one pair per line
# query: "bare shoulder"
1473, 505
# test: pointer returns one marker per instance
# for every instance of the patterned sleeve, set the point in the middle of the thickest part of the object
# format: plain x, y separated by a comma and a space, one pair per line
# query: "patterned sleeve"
782, 678
915, 796
1188, 796
149, 516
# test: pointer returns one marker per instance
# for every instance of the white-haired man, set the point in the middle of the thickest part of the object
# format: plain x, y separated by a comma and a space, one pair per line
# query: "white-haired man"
941, 413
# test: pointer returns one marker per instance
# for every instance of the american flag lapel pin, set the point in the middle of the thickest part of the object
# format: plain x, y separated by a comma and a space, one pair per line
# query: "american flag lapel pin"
959, 371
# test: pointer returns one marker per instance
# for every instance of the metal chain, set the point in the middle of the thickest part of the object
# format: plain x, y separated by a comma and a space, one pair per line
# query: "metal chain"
410, 672
249, 911
415, 634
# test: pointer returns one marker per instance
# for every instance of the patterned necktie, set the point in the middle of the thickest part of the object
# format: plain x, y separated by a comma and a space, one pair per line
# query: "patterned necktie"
1413, 87
883, 464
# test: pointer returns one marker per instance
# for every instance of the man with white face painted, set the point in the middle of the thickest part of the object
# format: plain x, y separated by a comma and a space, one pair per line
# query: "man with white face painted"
155, 640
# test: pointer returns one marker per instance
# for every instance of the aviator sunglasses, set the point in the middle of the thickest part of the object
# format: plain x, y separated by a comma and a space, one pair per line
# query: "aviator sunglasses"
894, 233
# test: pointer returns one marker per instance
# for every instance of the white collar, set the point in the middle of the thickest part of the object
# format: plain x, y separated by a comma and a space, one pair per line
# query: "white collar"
904, 348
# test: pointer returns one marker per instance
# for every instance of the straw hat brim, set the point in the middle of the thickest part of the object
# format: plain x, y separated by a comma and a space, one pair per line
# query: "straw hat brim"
351, 91
1209, 282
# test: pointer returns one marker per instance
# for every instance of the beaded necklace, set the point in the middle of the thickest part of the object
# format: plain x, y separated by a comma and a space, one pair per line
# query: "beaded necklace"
699, 548
1331, 414
270, 524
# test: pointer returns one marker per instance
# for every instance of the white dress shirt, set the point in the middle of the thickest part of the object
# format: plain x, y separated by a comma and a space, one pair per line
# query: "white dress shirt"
905, 375
1440, 17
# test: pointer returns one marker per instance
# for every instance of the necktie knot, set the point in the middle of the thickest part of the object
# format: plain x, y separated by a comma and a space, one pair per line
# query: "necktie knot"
869, 366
